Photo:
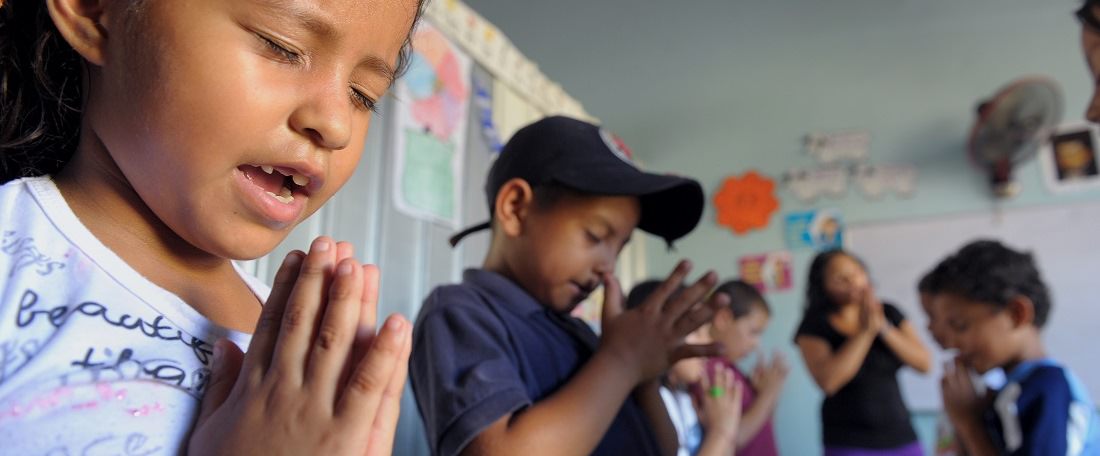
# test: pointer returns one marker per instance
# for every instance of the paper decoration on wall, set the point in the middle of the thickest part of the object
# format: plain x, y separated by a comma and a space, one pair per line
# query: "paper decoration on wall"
808, 185
1070, 160
877, 180
484, 103
767, 272
432, 114
746, 203
817, 229
842, 146
511, 111
873, 181
489, 47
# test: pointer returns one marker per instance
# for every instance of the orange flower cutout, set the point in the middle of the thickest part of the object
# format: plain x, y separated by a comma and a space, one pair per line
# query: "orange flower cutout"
746, 203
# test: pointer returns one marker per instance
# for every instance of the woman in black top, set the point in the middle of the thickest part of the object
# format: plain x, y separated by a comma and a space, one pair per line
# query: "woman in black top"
853, 345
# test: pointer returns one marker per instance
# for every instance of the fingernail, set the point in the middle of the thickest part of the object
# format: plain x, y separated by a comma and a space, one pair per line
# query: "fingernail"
219, 356
321, 245
395, 324
344, 269
292, 260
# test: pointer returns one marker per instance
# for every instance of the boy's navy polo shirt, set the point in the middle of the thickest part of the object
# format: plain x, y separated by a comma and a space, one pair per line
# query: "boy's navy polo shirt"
485, 348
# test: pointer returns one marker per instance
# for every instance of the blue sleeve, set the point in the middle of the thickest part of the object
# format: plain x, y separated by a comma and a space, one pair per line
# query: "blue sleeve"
1043, 410
462, 369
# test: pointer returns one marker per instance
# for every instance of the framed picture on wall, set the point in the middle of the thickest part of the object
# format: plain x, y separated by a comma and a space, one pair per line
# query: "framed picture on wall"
1069, 159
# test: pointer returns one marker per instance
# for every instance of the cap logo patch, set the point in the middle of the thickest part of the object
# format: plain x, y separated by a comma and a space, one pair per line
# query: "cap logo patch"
617, 146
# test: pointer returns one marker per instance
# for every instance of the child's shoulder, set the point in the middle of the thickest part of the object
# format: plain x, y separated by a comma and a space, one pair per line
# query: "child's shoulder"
14, 190
449, 298
1046, 379
455, 307
481, 292
1040, 374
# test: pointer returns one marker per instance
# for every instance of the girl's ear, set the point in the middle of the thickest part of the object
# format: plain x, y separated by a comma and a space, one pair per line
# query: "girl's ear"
722, 319
1021, 310
80, 22
513, 204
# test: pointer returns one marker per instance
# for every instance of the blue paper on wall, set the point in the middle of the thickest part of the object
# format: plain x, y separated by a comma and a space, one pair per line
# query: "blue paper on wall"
819, 229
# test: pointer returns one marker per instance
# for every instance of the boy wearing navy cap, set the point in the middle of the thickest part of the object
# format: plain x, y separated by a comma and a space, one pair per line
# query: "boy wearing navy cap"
498, 365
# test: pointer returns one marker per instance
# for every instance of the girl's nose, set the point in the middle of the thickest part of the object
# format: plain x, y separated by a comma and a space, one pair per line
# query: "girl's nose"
325, 115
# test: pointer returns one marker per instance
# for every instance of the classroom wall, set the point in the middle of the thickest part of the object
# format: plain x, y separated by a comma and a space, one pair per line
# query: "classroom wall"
910, 72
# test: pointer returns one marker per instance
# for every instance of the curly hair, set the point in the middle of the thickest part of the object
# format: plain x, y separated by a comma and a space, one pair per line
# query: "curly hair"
40, 92
989, 272
930, 281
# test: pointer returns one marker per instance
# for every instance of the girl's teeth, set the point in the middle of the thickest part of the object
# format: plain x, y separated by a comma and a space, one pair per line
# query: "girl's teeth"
298, 179
285, 196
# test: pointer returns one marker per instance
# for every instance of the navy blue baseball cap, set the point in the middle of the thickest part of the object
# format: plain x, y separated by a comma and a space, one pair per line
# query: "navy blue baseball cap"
584, 157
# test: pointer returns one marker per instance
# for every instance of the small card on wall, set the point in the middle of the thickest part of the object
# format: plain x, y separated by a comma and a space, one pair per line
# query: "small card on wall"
1069, 159
768, 272
819, 229
840, 146
874, 181
809, 184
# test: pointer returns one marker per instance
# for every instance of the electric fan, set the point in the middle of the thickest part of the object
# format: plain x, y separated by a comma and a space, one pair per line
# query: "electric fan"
1010, 128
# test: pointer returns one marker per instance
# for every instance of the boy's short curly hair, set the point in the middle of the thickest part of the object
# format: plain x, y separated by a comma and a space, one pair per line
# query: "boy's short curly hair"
989, 272
930, 281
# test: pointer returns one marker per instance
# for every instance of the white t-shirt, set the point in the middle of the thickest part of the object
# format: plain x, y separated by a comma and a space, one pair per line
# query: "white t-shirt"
681, 412
94, 358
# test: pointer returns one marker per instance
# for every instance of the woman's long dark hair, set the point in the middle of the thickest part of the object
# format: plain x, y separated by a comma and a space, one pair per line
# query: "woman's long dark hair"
41, 93
818, 300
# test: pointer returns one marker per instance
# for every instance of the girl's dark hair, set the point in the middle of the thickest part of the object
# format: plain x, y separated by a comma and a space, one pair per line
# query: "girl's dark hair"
1087, 14
40, 92
640, 292
41, 96
743, 298
405, 56
818, 300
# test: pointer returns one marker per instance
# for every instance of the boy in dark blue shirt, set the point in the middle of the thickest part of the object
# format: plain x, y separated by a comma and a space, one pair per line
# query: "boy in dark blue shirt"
498, 365
994, 303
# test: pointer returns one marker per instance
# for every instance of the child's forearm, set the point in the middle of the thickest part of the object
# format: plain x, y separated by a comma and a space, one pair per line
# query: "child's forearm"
648, 395
717, 445
756, 416
844, 364
572, 421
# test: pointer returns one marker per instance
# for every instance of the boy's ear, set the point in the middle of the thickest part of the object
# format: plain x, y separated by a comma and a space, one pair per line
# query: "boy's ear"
1021, 310
80, 22
512, 206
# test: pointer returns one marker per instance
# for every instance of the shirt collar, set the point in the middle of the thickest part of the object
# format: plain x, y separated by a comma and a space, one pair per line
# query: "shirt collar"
503, 291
